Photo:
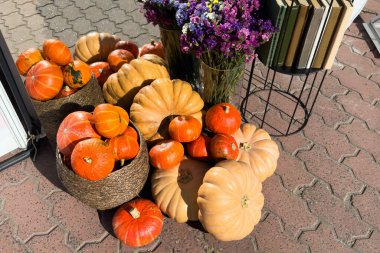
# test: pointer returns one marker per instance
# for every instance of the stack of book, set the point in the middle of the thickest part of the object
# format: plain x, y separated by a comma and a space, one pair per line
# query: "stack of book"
310, 32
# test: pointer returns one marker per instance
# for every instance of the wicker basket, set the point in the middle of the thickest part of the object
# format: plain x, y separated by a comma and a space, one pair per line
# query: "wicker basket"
119, 187
52, 112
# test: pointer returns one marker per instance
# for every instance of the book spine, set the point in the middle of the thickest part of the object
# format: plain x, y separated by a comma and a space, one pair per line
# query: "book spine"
276, 38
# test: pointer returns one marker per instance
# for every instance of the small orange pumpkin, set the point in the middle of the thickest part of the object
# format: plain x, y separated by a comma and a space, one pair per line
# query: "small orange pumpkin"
118, 57
124, 147
110, 120
131, 132
57, 52
27, 59
223, 118
92, 159
185, 128
200, 148
166, 154
77, 74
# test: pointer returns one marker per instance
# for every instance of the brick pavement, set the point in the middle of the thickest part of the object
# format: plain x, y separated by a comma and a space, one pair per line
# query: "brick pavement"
324, 196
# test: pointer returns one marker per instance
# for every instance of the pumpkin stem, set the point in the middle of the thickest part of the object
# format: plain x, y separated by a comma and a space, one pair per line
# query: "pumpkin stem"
184, 176
153, 43
134, 213
244, 201
87, 160
226, 109
122, 161
66, 88
245, 146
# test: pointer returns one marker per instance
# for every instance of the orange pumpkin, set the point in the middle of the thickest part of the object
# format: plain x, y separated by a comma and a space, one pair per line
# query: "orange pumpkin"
138, 222
118, 57
27, 59
76, 127
224, 146
153, 48
223, 118
44, 81
92, 159
57, 52
166, 154
77, 74
128, 45
131, 132
65, 91
101, 71
200, 148
124, 147
185, 128
110, 120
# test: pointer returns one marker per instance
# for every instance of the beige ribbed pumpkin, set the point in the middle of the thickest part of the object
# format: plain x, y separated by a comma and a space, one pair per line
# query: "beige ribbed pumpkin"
230, 200
95, 46
175, 190
257, 150
155, 105
121, 87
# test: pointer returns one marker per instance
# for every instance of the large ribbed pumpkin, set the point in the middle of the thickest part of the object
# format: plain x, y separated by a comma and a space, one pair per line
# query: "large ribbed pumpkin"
95, 47
155, 105
175, 190
121, 87
230, 200
257, 150
44, 81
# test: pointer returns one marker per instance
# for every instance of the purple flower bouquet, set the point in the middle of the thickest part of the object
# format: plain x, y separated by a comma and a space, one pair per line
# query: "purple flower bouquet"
224, 35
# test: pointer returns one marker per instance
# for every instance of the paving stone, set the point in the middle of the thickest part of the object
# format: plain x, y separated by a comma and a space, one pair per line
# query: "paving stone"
84, 4
330, 111
52, 242
138, 17
376, 78
143, 39
49, 11
370, 245
71, 12
214, 245
292, 172
8, 243
286, 205
128, 6
353, 104
82, 26
41, 35
69, 37
153, 30
106, 4
360, 136
337, 175
26, 209
368, 89
13, 175
332, 210
95, 14
58, 24
363, 65
25, 45
335, 142
62, 3
368, 205
294, 142
270, 238
323, 240
365, 169
14, 20
108, 245
131, 29
35, 22
106, 26
7, 8
331, 86
118, 16
21, 2
28, 9
90, 228
41, 3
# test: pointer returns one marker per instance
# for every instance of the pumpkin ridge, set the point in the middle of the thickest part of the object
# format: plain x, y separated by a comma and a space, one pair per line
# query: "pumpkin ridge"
46, 85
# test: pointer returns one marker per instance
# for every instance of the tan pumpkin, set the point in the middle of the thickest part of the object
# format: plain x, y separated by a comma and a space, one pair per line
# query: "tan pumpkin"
230, 200
121, 87
175, 190
155, 105
95, 47
257, 149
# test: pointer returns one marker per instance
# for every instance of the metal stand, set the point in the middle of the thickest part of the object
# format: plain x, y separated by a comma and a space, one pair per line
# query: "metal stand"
290, 107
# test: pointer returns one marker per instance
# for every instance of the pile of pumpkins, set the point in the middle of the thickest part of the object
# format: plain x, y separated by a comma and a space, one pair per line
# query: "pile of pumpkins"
51, 73
91, 143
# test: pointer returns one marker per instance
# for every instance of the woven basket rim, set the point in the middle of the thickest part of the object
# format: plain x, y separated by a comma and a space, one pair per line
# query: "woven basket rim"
113, 174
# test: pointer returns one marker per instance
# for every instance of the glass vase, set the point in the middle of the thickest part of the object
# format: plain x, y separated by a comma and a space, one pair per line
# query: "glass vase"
219, 85
181, 65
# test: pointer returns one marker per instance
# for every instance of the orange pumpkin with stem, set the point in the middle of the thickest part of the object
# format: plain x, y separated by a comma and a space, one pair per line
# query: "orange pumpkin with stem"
185, 128
92, 159
166, 154
223, 118
118, 57
110, 120
57, 52
27, 59
77, 74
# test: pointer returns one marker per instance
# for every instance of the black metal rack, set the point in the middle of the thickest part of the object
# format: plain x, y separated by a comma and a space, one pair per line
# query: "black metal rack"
283, 98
